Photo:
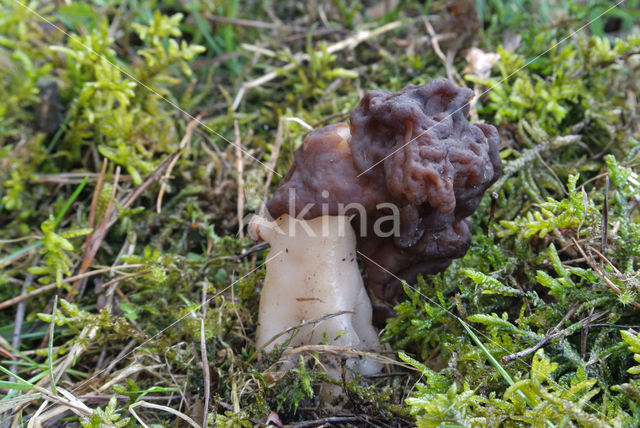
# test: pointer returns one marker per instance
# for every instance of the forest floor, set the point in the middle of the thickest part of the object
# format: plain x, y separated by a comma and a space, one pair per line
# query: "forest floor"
135, 136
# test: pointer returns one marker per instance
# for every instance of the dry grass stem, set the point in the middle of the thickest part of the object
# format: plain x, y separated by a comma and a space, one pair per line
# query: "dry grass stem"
94, 240
239, 178
597, 269
72, 178
186, 139
126, 373
350, 42
447, 60
340, 350
205, 360
44, 288
143, 403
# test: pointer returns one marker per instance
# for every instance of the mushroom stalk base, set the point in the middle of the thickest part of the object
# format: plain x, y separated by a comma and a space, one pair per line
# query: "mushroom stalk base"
313, 293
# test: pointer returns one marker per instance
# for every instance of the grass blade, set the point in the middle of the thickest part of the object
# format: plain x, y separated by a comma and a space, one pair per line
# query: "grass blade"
15, 386
8, 373
14, 255
72, 198
492, 360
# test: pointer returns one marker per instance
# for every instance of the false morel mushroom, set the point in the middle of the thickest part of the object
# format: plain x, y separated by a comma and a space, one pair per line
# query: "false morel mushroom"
409, 168
406, 172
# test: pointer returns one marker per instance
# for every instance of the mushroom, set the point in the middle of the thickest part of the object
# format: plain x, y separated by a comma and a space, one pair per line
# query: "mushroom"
408, 171
312, 278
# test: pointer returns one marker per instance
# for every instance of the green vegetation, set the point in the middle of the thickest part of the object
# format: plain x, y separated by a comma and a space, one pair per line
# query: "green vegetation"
119, 192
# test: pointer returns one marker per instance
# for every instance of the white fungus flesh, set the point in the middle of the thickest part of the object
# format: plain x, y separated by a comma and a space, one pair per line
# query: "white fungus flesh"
312, 275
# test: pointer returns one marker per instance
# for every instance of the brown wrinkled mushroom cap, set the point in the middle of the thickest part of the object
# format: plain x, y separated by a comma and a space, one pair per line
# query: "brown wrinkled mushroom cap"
413, 148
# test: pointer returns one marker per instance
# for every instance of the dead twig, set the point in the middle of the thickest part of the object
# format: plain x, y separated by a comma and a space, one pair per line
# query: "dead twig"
240, 178
183, 144
205, 361
597, 269
549, 337
99, 234
446, 60
622, 327
517, 355
255, 249
606, 260
18, 299
129, 199
122, 278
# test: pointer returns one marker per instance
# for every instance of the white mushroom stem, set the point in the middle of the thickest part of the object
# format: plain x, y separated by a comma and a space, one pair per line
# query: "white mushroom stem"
312, 273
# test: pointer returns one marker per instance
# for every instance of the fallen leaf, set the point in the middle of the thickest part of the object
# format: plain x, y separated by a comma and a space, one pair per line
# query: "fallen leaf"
480, 62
